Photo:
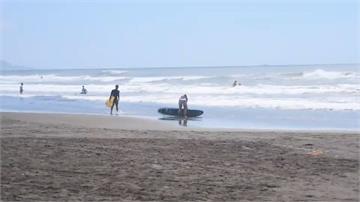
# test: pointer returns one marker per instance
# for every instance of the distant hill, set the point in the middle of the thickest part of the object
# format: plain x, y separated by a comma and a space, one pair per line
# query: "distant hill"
6, 66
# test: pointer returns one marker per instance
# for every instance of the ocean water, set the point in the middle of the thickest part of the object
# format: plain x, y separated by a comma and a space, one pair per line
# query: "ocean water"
270, 97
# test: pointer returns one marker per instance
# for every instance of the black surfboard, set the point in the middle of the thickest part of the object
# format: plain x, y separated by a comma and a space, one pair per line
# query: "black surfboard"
175, 112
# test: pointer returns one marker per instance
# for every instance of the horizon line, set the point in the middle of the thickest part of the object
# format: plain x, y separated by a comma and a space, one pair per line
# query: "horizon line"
20, 67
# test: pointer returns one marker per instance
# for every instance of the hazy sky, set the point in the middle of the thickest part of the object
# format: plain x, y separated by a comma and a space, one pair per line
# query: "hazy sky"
133, 33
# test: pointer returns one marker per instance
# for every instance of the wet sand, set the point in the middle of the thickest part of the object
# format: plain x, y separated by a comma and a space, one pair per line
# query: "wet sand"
51, 157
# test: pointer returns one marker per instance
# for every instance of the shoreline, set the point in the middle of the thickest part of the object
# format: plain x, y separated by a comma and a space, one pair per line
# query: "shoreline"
163, 124
89, 120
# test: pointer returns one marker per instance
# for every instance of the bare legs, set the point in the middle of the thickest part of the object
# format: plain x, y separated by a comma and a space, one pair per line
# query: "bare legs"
183, 109
117, 106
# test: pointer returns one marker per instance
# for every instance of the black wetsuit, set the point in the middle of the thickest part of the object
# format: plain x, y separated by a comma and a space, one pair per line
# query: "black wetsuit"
116, 94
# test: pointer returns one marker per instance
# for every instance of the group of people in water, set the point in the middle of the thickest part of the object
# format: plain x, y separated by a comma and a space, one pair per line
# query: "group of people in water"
183, 100
21, 89
236, 83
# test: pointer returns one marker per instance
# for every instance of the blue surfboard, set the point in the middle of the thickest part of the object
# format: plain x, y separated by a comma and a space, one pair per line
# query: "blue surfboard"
175, 112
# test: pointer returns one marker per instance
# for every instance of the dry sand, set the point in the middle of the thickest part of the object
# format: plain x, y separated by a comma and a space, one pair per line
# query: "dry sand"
53, 157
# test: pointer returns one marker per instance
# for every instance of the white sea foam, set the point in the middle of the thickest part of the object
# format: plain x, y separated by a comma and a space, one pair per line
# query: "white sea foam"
114, 72
236, 101
323, 74
52, 78
159, 78
161, 88
309, 89
100, 93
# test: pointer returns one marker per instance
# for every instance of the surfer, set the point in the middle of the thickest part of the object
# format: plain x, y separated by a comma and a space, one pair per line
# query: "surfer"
83, 90
183, 105
116, 94
21, 88
234, 84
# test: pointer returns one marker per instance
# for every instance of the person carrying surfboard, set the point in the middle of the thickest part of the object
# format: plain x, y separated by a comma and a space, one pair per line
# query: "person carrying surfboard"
183, 105
116, 94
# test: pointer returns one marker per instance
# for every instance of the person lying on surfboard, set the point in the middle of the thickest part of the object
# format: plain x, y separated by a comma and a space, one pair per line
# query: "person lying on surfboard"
183, 105
116, 94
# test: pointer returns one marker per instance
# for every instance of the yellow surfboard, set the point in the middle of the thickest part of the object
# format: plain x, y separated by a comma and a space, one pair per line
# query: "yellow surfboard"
110, 101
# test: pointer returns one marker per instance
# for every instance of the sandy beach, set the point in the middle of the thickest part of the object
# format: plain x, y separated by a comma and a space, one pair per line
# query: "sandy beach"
62, 157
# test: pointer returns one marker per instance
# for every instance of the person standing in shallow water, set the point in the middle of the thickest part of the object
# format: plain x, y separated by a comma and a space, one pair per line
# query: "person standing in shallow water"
183, 105
116, 93
21, 90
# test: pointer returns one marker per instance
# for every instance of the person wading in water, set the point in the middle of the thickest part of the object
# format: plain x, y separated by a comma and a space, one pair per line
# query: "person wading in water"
116, 94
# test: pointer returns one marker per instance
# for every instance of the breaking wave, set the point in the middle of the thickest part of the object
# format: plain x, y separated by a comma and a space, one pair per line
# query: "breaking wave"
298, 89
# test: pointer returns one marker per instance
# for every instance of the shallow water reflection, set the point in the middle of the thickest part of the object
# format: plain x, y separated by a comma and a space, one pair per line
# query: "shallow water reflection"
182, 121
